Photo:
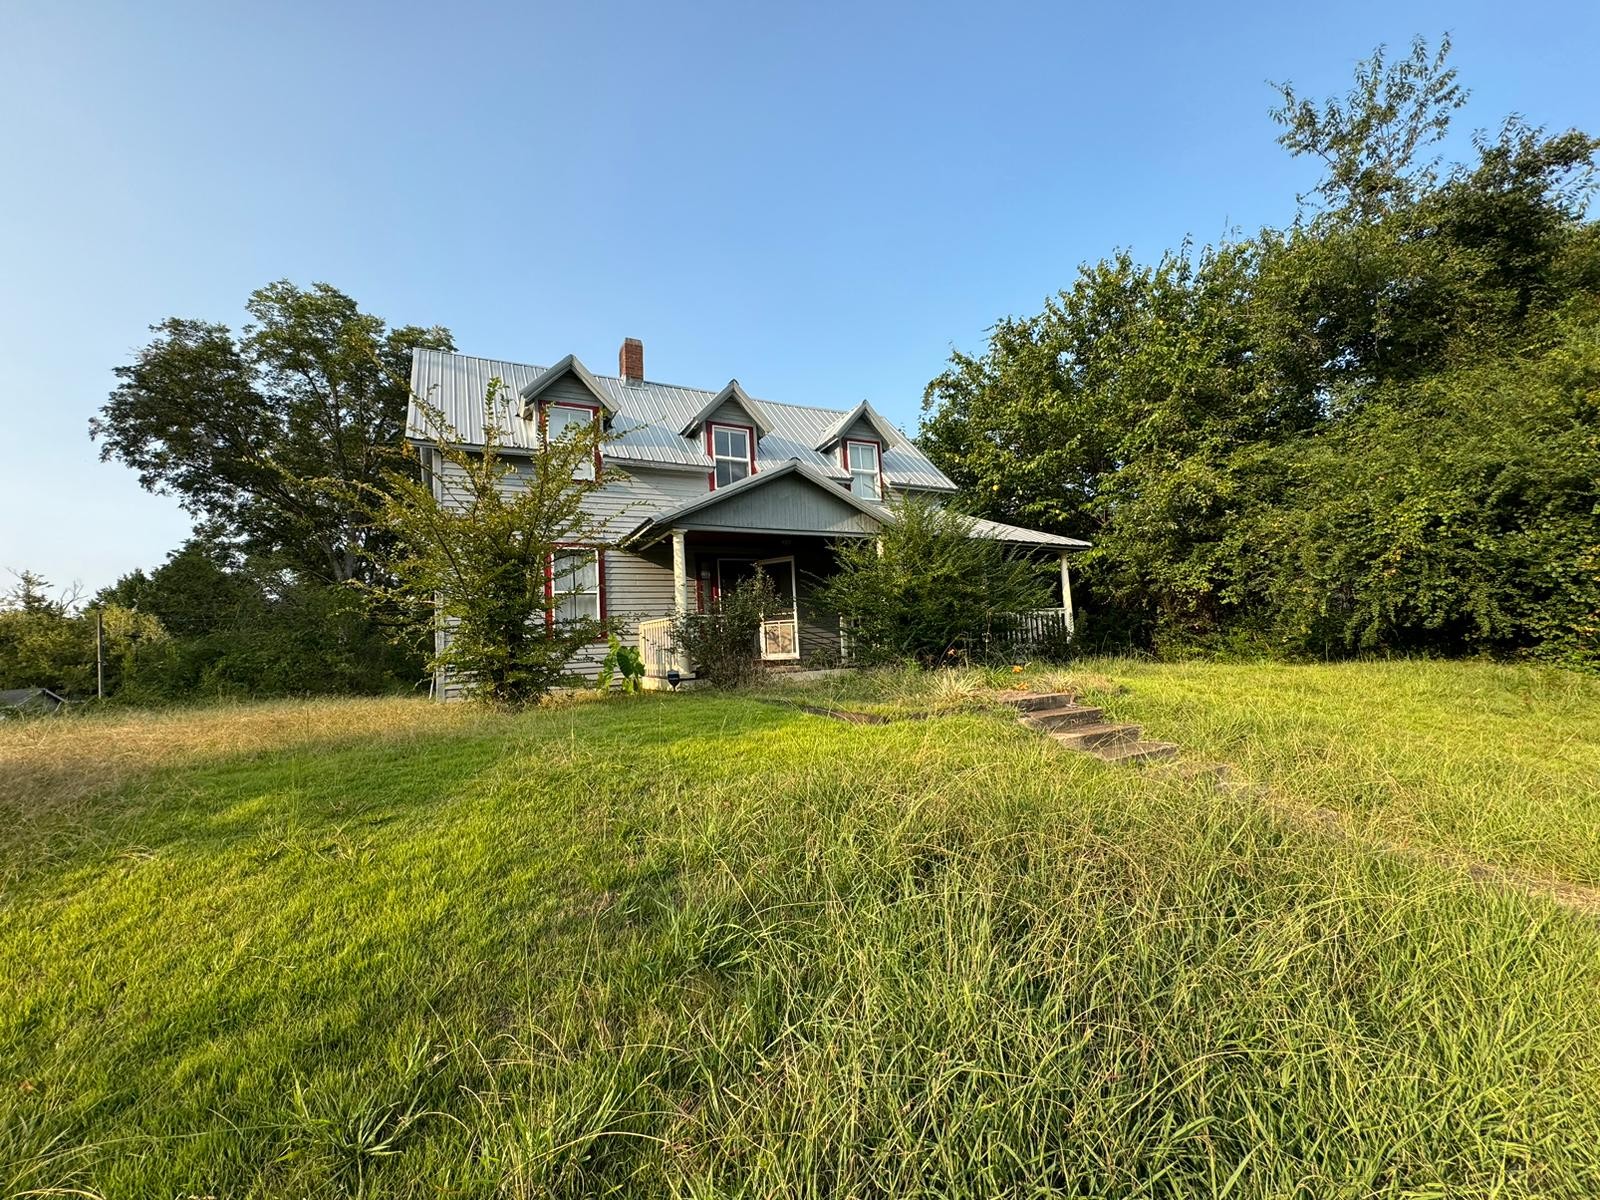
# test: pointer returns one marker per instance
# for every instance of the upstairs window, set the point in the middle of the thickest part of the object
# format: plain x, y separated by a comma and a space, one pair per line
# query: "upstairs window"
575, 585
560, 418
733, 454
866, 471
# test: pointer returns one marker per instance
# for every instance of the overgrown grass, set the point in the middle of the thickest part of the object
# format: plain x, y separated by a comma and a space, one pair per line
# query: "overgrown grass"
706, 946
1484, 761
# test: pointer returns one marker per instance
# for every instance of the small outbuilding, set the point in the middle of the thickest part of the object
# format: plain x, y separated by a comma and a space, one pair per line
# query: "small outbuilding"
29, 702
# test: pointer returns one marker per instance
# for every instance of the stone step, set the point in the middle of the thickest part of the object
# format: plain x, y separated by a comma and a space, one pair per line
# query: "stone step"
1134, 752
1037, 701
1062, 718
1085, 737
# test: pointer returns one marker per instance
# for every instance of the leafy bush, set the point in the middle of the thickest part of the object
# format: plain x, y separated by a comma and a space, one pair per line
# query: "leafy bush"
624, 659
926, 590
723, 644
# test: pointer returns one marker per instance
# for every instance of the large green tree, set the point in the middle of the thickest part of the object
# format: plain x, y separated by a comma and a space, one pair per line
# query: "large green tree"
1254, 434
273, 434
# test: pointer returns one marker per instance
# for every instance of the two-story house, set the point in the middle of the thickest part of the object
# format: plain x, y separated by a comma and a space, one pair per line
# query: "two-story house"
702, 487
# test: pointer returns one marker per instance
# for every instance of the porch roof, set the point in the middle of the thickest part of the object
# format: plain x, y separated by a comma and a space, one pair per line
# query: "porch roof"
810, 503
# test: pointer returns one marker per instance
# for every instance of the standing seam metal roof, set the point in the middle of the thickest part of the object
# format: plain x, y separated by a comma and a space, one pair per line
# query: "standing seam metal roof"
648, 418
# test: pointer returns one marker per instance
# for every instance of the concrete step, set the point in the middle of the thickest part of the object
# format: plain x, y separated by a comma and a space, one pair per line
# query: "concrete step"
1036, 702
1086, 737
1134, 752
1062, 718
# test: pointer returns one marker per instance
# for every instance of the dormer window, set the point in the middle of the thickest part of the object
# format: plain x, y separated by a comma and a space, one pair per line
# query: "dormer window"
865, 463
733, 451
559, 418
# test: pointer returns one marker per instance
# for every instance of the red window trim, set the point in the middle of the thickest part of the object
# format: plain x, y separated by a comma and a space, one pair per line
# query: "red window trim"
750, 430
544, 423
844, 457
550, 583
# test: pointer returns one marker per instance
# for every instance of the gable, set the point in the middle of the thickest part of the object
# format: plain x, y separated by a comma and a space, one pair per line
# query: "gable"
568, 391
568, 371
791, 504
861, 430
731, 406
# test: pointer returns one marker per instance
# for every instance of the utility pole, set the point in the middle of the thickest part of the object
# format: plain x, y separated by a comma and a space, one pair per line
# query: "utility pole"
100, 653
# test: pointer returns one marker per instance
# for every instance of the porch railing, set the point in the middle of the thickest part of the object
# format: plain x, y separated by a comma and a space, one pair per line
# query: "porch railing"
1040, 627
1039, 631
657, 649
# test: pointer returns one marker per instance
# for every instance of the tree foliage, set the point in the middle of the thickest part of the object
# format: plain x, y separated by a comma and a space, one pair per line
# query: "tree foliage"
275, 434
925, 589
489, 574
1372, 430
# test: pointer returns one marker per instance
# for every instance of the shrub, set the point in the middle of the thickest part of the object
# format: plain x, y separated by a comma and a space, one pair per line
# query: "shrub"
723, 644
495, 569
928, 591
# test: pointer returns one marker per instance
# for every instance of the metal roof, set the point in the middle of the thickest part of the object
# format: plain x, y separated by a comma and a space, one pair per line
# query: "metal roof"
999, 532
648, 418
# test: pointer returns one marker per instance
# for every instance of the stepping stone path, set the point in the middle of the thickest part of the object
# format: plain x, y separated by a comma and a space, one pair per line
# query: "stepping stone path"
1059, 716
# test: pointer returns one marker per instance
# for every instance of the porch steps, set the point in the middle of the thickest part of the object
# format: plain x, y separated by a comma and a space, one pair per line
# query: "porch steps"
1076, 726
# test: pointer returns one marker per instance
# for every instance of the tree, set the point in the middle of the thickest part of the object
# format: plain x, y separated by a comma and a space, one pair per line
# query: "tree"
1366, 431
202, 587
49, 641
925, 588
1369, 140
276, 435
500, 576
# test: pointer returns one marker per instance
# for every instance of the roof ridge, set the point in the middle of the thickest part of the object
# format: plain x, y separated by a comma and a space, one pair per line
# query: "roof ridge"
618, 379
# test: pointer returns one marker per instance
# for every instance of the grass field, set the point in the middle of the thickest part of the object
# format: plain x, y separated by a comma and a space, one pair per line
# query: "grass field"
1487, 763
708, 946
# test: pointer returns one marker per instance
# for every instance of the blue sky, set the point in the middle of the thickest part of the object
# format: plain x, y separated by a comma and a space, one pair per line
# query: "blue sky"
822, 200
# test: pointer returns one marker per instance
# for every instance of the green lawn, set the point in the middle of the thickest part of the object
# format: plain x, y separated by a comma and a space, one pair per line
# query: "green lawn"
705, 946
1498, 764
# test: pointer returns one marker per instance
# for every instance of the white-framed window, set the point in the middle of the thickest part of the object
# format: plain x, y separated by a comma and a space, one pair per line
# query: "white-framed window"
575, 584
731, 451
865, 461
559, 418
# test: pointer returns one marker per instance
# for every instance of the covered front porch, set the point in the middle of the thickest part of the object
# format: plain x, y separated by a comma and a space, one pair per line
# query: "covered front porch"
786, 523
801, 632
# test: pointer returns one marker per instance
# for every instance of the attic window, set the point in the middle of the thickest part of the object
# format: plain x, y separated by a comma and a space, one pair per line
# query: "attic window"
733, 453
559, 418
865, 461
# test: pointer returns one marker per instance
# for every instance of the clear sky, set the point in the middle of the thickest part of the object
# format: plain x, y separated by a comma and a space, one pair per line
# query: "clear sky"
822, 200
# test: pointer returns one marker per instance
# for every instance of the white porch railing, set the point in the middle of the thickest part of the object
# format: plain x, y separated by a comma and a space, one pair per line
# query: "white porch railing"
657, 650
1042, 624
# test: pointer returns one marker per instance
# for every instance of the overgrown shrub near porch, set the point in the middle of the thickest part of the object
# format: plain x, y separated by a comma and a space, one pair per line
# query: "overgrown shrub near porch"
723, 644
925, 590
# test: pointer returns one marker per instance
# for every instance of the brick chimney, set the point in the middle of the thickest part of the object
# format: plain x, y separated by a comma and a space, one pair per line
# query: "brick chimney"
630, 360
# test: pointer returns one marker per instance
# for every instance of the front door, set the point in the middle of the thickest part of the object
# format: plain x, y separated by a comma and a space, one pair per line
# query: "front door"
780, 628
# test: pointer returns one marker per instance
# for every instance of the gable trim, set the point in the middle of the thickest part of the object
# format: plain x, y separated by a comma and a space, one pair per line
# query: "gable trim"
570, 365
759, 419
835, 432
661, 522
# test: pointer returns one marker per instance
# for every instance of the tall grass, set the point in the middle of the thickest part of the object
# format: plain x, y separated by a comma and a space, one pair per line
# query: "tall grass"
702, 946
1501, 763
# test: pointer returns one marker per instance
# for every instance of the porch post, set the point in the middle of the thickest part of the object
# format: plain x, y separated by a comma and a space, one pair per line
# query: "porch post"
1066, 591
680, 572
